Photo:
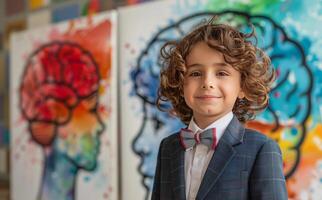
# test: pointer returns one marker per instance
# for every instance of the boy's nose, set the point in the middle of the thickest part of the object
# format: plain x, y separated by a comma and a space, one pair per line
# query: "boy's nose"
208, 83
207, 86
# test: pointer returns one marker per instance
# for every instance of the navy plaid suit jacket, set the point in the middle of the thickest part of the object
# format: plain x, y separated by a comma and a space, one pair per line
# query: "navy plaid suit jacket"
246, 165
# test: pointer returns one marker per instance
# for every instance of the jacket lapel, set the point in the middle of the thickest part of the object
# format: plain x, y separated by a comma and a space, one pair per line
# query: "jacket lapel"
177, 170
224, 153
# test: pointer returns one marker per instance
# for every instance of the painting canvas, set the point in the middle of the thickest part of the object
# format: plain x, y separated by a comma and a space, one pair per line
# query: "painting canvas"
293, 117
63, 110
39, 18
11, 27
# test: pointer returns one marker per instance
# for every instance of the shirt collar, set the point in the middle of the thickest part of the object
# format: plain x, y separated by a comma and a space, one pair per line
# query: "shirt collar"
220, 125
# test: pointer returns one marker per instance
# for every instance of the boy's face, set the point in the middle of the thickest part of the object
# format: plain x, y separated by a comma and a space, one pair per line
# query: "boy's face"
211, 86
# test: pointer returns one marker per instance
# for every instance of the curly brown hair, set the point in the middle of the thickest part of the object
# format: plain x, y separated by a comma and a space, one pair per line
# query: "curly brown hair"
257, 74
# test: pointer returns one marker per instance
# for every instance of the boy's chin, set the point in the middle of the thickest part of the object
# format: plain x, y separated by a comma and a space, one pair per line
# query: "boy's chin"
209, 112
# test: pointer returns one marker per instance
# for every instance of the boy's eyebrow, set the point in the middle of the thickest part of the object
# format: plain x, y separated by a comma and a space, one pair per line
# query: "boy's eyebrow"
220, 64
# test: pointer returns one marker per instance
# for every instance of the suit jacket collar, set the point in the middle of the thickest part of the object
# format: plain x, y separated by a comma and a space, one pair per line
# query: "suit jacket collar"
234, 134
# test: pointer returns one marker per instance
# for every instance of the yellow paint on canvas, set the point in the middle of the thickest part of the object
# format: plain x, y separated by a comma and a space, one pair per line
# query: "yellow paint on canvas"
312, 146
35, 4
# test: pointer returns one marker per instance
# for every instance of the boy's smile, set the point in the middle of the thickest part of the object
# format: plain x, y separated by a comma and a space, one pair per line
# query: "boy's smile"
207, 97
211, 86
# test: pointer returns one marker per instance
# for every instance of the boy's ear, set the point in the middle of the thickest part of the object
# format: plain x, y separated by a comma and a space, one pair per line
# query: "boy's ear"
241, 95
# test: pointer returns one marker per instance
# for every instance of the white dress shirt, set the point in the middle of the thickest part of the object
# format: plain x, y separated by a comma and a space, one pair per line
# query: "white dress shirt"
198, 157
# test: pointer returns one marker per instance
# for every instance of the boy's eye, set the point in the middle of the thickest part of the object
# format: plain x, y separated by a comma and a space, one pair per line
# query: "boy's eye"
195, 74
222, 73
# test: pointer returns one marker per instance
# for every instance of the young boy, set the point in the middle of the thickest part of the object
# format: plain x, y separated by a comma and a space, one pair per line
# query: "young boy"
216, 79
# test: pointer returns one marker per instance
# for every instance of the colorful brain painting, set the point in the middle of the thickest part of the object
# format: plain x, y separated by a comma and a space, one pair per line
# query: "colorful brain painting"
56, 77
